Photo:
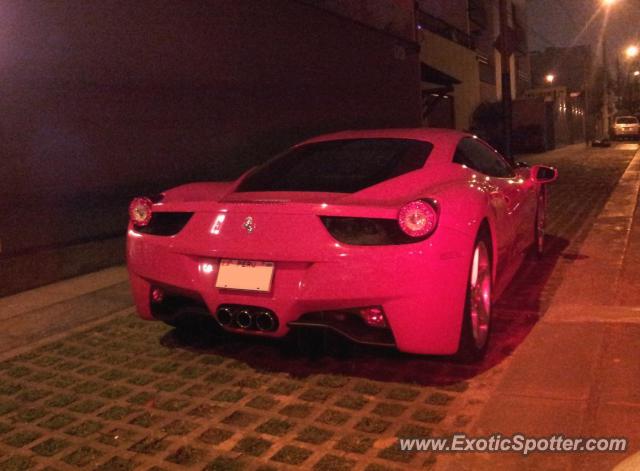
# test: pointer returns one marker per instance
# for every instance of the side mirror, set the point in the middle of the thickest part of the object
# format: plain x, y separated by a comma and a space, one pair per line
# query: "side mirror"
543, 174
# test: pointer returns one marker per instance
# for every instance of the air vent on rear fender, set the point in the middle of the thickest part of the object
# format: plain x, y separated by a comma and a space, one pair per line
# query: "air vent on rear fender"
165, 224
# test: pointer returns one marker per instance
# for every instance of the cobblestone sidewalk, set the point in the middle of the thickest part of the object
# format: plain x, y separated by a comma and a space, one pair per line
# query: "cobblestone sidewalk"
118, 397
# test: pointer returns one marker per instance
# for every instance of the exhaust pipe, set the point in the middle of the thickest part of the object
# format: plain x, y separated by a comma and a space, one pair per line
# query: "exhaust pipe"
265, 321
244, 319
225, 315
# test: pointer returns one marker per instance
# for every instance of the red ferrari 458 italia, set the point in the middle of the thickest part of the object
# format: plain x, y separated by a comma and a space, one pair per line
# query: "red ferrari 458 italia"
400, 237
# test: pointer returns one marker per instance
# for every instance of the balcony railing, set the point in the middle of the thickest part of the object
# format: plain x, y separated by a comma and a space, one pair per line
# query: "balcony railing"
442, 28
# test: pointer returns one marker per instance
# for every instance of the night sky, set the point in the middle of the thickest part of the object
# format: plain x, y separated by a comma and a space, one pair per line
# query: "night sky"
559, 23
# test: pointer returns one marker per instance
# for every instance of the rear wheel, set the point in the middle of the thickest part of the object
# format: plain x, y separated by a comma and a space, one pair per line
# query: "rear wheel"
476, 325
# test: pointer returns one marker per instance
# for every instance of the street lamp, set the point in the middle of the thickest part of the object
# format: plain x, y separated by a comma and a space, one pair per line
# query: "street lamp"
636, 73
607, 4
631, 51
549, 78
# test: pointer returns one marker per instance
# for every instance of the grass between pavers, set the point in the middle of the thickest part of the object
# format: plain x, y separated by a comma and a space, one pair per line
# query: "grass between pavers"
5, 427
150, 445
226, 463
316, 395
21, 438
354, 443
430, 416
179, 427
186, 456
117, 412
85, 428
172, 404
275, 427
297, 411
262, 402
439, 399
16, 463
314, 435
229, 395
215, 436
331, 462
29, 415
292, 455
117, 464
235, 417
83, 457
57, 421
333, 417
253, 446
61, 400
372, 425
50, 447
7, 407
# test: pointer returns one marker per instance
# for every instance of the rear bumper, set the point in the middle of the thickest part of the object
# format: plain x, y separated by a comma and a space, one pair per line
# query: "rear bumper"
421, 287
626, 132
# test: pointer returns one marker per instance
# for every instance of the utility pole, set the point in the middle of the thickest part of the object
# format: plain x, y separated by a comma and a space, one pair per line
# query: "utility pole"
505, 45
605, 86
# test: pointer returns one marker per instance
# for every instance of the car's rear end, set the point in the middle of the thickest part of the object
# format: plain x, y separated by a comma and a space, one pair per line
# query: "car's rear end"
626, 127
358, 251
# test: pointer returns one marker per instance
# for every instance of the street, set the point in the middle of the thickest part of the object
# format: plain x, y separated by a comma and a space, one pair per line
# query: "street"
85, 384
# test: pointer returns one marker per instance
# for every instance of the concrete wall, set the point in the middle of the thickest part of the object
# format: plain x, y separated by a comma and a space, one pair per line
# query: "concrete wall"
104, 100
438, 52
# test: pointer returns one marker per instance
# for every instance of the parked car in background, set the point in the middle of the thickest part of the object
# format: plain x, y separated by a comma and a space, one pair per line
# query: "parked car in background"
400, 237
626, 127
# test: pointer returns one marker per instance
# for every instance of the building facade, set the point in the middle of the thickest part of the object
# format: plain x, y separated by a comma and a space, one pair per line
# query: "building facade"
458, 40
567, 79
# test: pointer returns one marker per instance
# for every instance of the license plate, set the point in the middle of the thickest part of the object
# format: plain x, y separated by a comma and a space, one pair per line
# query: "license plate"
245, 275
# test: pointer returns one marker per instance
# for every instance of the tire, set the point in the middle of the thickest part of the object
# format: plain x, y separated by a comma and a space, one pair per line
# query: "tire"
539, 225
476, 323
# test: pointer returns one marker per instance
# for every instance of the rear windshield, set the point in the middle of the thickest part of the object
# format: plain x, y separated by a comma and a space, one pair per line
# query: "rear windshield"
627, 120
344, 166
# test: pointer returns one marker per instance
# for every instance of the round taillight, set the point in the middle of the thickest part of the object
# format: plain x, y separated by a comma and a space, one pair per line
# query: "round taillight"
140, 211
418, 218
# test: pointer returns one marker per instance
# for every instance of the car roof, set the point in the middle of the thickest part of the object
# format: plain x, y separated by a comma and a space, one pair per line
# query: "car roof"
434, 135
626, 117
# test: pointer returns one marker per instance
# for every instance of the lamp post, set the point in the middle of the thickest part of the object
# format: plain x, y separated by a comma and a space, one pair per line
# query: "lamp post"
505, 65
605, 98
631, 53
605, 86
